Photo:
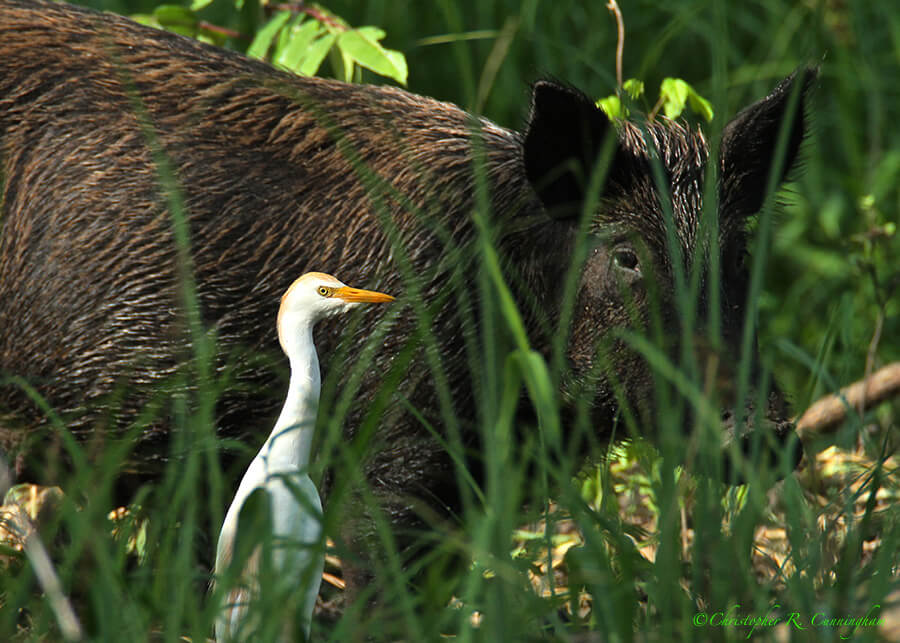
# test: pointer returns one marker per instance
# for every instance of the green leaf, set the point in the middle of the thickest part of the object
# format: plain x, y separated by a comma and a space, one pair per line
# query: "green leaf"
285, 34
700, 104
674, 93
677, 94
612, 107
173, 16
634, 88
399, 62
197, 5
372, 33
264, 37
341, 63
301, 37
361, 48
316, 54
146, 20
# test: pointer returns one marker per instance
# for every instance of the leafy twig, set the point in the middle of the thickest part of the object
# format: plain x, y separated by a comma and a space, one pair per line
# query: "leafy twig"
312, 12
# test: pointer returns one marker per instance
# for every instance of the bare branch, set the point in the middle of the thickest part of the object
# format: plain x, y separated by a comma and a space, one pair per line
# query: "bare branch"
656, 108
613, 6
830, 411
225, 31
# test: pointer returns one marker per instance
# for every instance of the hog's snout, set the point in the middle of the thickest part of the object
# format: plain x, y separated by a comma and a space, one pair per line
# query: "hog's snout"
766, 439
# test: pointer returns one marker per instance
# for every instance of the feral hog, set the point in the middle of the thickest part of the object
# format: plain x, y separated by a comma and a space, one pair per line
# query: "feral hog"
280, 175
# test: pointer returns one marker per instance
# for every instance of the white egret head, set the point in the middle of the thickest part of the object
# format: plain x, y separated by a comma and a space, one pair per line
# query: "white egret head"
317, 295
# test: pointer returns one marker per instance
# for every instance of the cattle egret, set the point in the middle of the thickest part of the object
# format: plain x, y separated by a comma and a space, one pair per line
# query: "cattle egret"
280, 469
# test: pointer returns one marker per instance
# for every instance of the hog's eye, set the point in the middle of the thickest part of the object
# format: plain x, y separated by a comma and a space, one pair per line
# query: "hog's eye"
626, 259
324, 291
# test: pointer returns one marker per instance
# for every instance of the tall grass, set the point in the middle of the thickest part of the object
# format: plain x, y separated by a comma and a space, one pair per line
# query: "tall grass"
656, 548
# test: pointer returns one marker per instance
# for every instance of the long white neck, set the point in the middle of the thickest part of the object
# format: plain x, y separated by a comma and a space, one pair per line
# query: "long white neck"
288, 446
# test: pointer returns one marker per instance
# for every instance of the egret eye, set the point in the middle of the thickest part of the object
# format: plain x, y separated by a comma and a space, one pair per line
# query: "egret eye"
625, 258
324, 291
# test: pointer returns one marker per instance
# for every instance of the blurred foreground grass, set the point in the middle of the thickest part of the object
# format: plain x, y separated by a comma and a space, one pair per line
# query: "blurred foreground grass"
633, 548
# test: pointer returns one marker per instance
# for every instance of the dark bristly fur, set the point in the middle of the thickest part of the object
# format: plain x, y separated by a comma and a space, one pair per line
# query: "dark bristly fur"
281, 175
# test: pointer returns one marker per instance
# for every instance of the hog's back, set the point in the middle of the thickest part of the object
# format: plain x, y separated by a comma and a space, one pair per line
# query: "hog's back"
275, 174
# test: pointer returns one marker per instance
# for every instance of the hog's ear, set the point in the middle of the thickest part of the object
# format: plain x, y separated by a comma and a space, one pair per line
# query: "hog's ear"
750, 143
565, 134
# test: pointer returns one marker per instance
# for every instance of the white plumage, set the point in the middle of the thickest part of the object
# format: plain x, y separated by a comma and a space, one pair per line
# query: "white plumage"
280, 469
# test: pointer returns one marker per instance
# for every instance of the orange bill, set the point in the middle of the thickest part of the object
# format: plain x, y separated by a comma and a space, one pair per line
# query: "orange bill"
356, 295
